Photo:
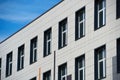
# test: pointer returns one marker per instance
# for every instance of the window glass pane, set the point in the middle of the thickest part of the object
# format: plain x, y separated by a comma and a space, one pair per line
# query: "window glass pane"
101, 69
81, 74
100, 5
101, 19
49, 47
64, 38
81, 29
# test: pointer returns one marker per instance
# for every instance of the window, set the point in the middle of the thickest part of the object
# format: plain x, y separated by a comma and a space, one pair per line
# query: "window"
47, 42
20, 64
0, 67
118, 55
47, 75
80, 24
62, 33
62, 72
100, 63
33, 50
100, 13
118, 8
80, 68
34, 78
9, 64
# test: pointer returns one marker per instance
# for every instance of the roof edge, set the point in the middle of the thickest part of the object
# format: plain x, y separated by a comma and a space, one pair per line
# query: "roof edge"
32, 21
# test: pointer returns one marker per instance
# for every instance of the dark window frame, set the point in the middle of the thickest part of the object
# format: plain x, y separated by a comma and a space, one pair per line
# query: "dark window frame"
33, 42
82, 57
117, 9
61, 42
118, 55
34, 78
64, 65
103, 47
21, 57
96, 21
47, 33
9, 64
81, 11
47, 74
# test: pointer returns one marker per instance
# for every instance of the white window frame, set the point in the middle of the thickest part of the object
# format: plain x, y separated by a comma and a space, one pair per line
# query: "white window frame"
63, 32
34, 48
64, 76
9, 63
79, 22
82, 68
104, 12
102, 60
47, 41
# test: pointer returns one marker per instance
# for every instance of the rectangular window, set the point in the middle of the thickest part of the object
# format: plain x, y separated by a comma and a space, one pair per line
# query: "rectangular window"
80, 68
47, 75
34, 78
9, 64
118, 8
47, 42
80, 24
100, 63
118, 55
100, 13
0, 67
20, 64
33, 50
62, 72
62, 33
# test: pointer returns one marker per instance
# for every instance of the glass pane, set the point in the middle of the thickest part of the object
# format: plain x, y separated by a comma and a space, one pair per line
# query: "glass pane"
81, 29
49, 47
22, 62
100, 5
11, 68
101, 69
63, 72
48, 36
80, 65
63, 78
64, 27
101, 19
35, 54
64, 38
100, 55
81, 75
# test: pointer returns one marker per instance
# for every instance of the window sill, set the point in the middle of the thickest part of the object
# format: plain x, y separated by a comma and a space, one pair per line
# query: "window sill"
99, 27
80, 38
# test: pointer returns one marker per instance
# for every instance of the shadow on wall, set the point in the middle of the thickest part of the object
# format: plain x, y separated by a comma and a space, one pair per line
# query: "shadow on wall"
115, 75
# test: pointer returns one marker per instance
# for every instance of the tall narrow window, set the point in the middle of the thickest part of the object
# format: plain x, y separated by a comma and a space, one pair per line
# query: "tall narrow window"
34, 78
100, 13
100, 63
20, 64
47, 75
47, 42
62, 33
118, 55
80, 24
80, 68
118, 8
33, 50
62, 72
9, 64
0, 67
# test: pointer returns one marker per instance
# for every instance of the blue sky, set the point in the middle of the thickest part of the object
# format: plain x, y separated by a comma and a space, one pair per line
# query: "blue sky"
15, 14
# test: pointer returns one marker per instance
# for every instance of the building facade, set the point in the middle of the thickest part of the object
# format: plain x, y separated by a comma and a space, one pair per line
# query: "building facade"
74, 40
